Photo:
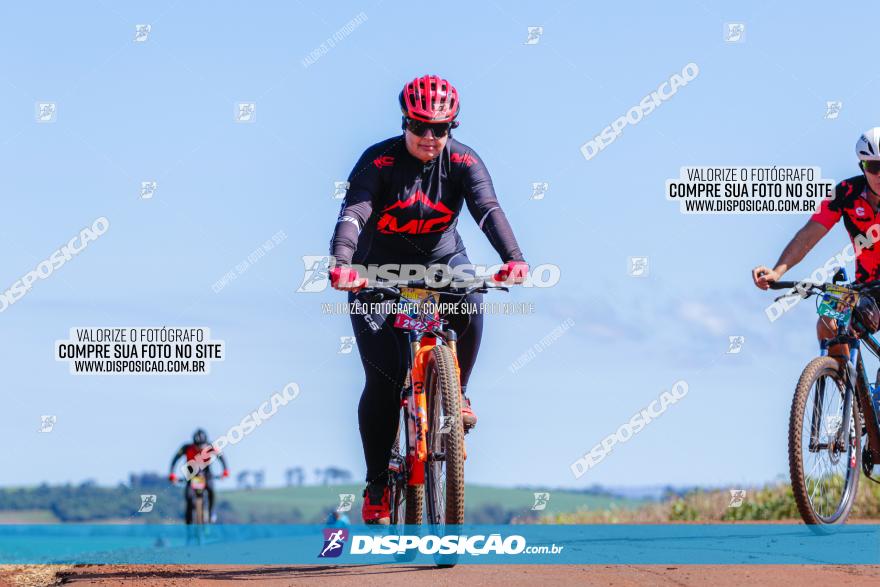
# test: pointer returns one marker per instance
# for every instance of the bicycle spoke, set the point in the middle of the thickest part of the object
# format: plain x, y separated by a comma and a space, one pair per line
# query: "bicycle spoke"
826, 477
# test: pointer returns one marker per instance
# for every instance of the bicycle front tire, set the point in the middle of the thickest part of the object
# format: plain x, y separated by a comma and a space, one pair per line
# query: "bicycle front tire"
809, 407
444, 478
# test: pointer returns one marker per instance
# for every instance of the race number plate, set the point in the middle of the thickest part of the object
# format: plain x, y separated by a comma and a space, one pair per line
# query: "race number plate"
838, 304
197, 482
409, 323
415, 310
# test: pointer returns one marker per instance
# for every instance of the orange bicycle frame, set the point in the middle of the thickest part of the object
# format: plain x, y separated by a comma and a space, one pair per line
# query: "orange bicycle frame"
417, 414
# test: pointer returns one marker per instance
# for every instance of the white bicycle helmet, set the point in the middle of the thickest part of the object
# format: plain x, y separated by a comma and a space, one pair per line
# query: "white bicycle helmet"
868, 146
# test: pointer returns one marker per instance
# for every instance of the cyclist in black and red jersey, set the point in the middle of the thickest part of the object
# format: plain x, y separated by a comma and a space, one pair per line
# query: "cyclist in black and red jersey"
402, 206
201, 454
857, 202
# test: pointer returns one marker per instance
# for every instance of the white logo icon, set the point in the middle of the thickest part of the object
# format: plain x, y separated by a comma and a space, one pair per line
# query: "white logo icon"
534, 37
735, 344
317, 272
246, 112
346, 500
148, 188
734, 32
737, 496
47, 423
539, 189
346, 344
446, 424
832, 109
832, 424
340, 187
147, 503
335, 542
638, 266
142, 32
541, 501
46, 112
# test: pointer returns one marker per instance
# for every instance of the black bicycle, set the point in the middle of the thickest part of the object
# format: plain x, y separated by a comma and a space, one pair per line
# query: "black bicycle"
834, 433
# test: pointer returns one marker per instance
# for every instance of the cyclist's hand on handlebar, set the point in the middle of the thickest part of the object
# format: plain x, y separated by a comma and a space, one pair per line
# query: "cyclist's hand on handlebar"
512, 273
764, 276
172, 477
346, 279
225, 473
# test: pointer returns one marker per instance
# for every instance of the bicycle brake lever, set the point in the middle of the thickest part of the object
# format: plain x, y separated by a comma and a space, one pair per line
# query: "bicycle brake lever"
370, 297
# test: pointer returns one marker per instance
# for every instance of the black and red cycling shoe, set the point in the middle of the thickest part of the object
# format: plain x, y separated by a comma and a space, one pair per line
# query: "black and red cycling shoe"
377, 504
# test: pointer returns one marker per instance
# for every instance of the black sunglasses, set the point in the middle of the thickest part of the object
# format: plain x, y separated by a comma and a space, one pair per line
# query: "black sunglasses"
872, 167
438, 129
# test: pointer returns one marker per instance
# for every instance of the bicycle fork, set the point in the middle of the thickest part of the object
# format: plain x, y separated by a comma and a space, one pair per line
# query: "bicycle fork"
417, 412
850, 384
417, 418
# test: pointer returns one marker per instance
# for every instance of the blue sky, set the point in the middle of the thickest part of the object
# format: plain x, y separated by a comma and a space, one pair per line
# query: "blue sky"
163, 110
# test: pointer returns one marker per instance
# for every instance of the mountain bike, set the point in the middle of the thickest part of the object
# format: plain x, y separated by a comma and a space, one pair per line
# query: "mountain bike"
427, 460
198, 489
834, 433
198, 507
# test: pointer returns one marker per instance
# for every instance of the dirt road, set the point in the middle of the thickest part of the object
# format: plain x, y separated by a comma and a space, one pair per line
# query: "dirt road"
507, 576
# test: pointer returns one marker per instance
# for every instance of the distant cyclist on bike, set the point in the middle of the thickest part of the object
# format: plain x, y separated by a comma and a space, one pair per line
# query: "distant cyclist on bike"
192, 451
402, 206
857, 201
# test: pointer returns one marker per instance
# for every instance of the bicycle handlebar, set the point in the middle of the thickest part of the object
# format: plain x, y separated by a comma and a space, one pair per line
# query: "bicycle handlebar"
385, 291
809, 286
783, 284
181, 481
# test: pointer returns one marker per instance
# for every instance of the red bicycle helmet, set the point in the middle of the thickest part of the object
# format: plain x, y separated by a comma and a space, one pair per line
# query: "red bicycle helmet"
429, 99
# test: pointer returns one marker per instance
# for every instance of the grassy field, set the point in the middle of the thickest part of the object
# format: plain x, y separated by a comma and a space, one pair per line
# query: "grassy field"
28, 517
486, 505
316, 501
289, 505
773, 502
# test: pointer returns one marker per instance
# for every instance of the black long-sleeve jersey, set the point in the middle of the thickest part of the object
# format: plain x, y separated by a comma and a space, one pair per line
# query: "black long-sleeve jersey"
398, 209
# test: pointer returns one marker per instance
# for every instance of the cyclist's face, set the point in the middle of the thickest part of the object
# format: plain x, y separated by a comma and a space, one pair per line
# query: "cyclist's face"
872, 173
424, 148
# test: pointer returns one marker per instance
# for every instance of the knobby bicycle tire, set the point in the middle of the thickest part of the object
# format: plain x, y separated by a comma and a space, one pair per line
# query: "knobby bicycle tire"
819, 367
442, 388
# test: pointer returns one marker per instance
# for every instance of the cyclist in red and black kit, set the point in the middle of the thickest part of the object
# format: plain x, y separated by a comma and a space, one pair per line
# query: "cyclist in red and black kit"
193, 452
857, 202
402, 206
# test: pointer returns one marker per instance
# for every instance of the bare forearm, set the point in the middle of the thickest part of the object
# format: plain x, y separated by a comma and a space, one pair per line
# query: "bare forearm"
802, 243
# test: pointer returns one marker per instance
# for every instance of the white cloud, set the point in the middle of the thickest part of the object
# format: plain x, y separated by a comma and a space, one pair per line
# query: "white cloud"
703, 316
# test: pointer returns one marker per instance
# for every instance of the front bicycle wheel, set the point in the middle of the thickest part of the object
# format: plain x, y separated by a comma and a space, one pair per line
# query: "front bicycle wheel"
444, 471
199, 511
824, 452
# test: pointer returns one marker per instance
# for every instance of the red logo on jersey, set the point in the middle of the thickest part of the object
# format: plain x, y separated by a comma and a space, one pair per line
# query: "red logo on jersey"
194, 450
383, 161
396, 213
465, 158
